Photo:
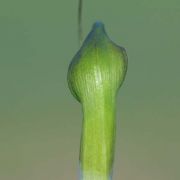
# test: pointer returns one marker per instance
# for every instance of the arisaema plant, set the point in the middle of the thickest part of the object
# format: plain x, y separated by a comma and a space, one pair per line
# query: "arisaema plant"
95, 75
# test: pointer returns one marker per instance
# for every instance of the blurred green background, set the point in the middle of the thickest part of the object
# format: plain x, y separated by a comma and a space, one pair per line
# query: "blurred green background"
40, 121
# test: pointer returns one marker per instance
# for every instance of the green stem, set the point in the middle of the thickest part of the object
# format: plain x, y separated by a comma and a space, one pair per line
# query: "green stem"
98, 137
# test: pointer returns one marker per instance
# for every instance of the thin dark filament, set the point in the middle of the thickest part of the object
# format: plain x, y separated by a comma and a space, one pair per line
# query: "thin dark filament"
80, 32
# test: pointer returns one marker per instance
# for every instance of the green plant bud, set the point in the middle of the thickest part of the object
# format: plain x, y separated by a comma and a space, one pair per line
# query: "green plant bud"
99, 64
94, 77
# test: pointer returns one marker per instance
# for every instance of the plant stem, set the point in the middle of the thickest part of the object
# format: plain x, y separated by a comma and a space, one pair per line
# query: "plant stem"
98, 136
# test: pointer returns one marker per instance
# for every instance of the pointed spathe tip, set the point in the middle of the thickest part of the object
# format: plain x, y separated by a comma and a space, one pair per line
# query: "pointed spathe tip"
98, 26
